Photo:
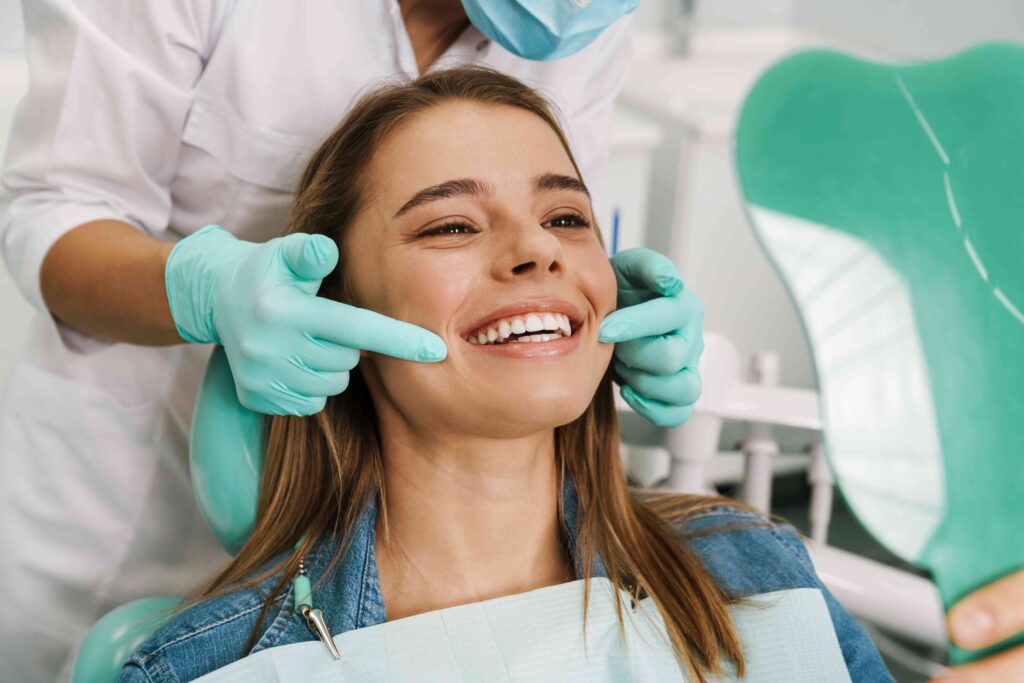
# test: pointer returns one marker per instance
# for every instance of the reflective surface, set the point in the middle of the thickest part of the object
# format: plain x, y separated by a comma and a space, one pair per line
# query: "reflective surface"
891, 200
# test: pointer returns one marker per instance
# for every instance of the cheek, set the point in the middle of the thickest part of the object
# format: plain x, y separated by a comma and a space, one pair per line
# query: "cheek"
400, 284
606, 293
597, 279
424, 291
427, 291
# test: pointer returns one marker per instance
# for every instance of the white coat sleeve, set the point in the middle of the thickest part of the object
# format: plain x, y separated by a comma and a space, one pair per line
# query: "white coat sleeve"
99, 132
590, 124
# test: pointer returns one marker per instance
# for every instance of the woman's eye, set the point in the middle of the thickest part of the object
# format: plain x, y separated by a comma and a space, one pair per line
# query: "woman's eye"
449, 229
569, 220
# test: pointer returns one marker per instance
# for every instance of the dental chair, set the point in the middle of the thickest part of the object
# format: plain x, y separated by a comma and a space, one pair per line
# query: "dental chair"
225, 459
890, 199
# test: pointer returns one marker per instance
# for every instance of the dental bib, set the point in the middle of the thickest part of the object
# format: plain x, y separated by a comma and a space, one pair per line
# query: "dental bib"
538, 636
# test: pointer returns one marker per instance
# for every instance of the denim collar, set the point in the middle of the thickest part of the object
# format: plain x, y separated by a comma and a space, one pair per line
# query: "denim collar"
350, 595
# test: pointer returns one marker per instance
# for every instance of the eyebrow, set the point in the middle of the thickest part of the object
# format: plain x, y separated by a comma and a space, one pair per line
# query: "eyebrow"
449, 188
557, 181
473, 187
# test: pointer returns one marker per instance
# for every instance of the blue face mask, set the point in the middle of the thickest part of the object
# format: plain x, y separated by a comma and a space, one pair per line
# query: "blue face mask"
545, 29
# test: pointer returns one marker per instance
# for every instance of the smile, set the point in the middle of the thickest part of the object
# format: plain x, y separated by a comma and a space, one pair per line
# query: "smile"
532, 327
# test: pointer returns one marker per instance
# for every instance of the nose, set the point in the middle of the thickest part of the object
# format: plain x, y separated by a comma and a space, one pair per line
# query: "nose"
529, 250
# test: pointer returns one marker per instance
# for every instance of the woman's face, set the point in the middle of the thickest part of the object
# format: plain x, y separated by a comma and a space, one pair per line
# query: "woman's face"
476, 226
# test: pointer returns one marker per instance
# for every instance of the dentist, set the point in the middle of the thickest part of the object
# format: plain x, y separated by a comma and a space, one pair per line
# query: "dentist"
146, 122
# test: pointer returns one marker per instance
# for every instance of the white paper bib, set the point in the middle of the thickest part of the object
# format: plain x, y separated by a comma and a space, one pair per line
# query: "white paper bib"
787, 637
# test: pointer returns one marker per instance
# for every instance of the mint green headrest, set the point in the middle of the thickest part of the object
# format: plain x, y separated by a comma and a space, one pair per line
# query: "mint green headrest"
226, 456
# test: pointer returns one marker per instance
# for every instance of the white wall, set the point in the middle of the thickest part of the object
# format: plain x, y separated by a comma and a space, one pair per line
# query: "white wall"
915, 29
11, 38
652, 14
910, 28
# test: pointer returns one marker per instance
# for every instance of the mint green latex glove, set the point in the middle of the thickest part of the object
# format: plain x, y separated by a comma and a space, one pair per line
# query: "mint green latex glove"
288, 348
658, 333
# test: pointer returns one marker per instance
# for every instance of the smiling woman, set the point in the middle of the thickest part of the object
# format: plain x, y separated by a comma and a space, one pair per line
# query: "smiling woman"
456, 205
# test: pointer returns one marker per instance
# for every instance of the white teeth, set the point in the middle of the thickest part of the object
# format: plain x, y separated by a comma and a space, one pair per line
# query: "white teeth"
549, 326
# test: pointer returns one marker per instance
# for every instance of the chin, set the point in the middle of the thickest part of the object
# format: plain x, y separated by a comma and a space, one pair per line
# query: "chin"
529, 411
494, 402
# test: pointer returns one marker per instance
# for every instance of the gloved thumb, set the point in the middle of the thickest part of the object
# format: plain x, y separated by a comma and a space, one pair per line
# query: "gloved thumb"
310, 257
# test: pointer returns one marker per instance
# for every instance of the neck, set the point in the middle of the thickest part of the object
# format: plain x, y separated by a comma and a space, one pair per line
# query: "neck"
432, 25
440, 11
466, 519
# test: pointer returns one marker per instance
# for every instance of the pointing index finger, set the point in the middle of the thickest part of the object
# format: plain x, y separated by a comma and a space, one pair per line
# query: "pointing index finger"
663, 315
359, 328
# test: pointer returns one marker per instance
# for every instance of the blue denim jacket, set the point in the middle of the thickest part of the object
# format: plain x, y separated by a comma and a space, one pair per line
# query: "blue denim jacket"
746, 553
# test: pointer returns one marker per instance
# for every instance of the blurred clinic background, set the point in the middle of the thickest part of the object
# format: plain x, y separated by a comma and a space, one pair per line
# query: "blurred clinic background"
673, 187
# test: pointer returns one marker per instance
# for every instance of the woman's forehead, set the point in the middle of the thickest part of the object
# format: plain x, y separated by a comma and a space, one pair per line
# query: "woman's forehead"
503, 146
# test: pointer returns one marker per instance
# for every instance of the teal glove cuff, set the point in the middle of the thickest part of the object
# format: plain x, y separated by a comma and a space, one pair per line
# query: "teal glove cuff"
190, 278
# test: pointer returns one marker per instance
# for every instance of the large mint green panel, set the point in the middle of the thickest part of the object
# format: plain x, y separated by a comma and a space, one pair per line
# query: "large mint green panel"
891, 200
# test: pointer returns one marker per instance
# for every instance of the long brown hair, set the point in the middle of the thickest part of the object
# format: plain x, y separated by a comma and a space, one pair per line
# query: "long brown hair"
320, 471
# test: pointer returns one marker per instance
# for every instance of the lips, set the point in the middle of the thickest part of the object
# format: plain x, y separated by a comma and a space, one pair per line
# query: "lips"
539, 321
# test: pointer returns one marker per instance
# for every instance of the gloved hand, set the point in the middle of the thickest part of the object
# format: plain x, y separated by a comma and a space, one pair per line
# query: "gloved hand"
658, 332
288, 348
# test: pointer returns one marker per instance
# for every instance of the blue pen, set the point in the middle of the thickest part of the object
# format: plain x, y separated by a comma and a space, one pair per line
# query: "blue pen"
615, 231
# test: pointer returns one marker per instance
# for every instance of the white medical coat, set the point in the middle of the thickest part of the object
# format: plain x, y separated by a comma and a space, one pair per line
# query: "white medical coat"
171, 116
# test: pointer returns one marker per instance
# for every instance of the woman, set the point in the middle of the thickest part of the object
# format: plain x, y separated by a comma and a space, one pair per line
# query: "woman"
458, 207
145, 122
